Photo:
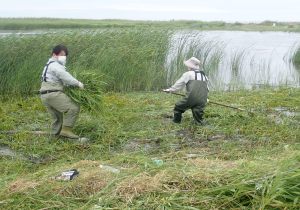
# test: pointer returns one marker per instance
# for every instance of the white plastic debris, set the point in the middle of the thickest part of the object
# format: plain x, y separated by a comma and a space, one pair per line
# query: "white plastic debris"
110, 169
67, 175
158, 162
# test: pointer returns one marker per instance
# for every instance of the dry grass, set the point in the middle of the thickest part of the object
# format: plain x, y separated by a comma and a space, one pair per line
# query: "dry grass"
133, 187
91, 179
214, 165
22, 185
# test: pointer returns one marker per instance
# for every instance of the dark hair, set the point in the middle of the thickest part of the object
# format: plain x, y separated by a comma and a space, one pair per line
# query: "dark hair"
58, 48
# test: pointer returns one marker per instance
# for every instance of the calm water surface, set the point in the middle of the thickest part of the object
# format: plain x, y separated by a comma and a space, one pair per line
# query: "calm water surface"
239, 58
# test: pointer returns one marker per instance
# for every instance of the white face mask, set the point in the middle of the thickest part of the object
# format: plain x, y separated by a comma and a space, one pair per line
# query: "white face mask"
62, 60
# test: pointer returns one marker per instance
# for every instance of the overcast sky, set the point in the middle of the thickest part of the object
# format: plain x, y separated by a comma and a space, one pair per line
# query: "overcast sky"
207, 10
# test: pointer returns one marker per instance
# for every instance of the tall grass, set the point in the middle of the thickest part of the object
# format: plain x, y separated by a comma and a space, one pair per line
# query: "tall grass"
236, 63
129, 59
187, 44
296, 58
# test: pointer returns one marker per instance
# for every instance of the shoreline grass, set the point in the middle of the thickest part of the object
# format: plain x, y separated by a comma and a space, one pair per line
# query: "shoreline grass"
235, 161
130, 59
56, 23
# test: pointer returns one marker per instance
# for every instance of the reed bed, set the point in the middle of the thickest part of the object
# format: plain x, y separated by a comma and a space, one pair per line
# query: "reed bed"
132, 59
296, 58
187, 44
236, 64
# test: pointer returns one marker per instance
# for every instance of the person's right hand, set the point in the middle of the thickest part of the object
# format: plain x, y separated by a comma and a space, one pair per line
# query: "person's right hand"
80, 85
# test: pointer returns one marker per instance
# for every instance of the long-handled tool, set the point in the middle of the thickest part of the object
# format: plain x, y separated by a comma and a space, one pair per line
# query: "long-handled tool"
217, 103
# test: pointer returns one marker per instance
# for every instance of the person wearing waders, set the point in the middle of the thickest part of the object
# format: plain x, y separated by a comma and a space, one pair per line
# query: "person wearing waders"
62, 109
195, 82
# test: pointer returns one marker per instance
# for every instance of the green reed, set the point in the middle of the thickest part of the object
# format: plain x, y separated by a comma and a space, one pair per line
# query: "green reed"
190, 44
296, 58
90, 98
131, 59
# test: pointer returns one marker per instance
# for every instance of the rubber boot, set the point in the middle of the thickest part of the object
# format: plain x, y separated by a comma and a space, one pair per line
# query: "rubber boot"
67, 132
177, 117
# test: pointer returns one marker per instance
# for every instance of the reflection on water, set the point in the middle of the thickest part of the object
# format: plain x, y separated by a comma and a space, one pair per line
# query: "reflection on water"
8, 33
236, 59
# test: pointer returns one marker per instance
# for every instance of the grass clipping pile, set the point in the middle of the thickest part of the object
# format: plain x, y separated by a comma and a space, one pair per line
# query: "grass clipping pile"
89, 98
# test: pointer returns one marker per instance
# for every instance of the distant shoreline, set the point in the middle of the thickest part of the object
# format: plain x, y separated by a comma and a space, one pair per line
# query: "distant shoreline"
57, 23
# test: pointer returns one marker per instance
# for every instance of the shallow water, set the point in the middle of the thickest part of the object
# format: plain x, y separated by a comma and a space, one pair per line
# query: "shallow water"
8, 33
285, 111
238, 58
6, 151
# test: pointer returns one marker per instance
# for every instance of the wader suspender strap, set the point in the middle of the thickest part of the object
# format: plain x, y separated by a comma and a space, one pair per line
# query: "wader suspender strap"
203, 76
201, 73
45, 72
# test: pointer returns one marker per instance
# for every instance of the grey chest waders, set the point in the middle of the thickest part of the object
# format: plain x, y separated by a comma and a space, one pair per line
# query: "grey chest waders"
195, 98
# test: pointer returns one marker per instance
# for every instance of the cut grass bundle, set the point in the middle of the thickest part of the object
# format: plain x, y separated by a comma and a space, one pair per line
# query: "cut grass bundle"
90, 98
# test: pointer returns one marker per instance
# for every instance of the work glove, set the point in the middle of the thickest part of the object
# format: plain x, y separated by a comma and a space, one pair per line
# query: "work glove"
80, 85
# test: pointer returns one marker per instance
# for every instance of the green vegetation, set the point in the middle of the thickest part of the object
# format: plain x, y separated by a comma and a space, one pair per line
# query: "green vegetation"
235, 161
52, 23
128, 59
90, 98
296, 58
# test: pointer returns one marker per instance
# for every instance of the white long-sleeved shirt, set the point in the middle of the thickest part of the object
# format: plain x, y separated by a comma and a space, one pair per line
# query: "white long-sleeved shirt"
185, 78
57, 77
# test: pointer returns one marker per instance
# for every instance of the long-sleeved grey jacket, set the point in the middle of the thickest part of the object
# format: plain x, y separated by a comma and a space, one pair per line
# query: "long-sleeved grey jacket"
185, 78
57, 77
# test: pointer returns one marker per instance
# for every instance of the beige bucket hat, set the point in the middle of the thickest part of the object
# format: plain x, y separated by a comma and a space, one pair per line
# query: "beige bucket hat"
193, 63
